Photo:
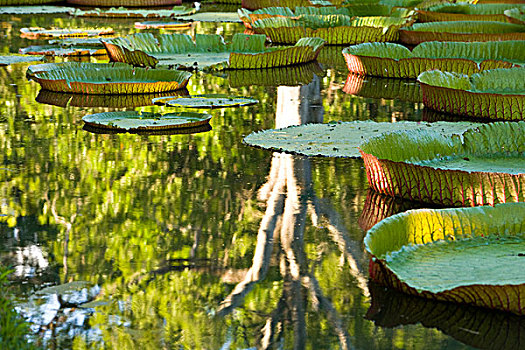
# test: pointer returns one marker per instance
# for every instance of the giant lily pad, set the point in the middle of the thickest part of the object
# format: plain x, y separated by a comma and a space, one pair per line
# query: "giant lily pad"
373, 87
39, 33
29, 10
466, 255
461, 31
24, 2
136, 121
244, 52
53, 50
260, 4
515, 16
338, 139
228, 17
335, 29
112, 80
492, 94
162, 25
396, 61
465, 12
127, 3
484, 166
13, 59
205, 101
46, 67
248, 17
122, 12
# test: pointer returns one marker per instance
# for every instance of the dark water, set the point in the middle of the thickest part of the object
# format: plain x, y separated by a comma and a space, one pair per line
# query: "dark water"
199, 241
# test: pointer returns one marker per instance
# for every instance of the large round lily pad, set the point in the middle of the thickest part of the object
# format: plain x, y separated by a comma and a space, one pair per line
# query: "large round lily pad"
39, 33
12, 59
491, 94
54, 50
466, 255
205, 101
122, 12
162, 25
339, 139
30, 10
112, 80
485, 165
136, 121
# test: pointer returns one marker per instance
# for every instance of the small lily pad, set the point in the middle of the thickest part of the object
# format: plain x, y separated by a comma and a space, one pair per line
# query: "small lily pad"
205, 101
12, 59
162, 25
136, 121
38, 33
29, 10
222, 17
52, 50
122, 12
339, 139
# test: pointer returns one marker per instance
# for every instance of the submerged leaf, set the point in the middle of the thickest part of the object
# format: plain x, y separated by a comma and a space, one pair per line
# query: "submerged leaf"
468, 255
339, 139
133, 120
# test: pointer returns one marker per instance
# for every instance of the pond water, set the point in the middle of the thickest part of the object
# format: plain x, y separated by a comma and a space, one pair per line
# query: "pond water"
200, 241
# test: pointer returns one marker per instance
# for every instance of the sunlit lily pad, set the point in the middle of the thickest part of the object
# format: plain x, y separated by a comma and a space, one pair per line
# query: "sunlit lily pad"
335, 29
205, 101
29, 10
465, 12
52, 50
338, 139
461, 31
162, 25
25, 2
46, 67
465, 255
88, 42
396, 61
39, 33
133, 120
260, 4
209, 50
223, 17
13, 59
122, 12
492, 94
515, 16
486, 165
149, 132
112, 80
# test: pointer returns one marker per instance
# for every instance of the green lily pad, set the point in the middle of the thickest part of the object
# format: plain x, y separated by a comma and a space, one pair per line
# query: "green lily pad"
461, 31
46, 67
13, 59
64, 288
465, 12
339, 139
466, 255
29, 10
109, 79
209, 50
516, 16
396, 61
39, 33
162, 25
136, 121
122, 12
205, 101
223, 17
128, 3
491, 94
91, 42
52, 50
485, 165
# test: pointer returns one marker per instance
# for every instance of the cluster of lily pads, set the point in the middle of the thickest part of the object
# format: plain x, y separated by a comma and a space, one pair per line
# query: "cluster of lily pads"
468, 59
